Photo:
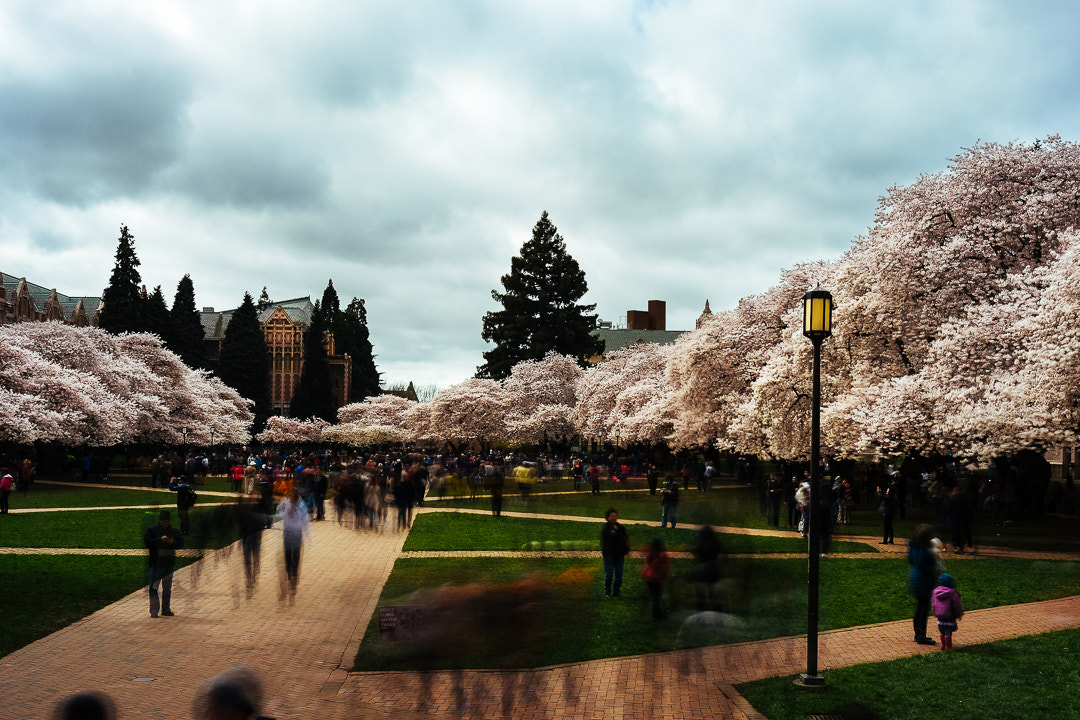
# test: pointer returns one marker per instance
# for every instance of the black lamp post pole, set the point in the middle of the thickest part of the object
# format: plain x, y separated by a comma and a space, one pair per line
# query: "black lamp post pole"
811, 677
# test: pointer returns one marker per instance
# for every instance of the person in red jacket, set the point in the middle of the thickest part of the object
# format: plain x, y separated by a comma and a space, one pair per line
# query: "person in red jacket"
656, 572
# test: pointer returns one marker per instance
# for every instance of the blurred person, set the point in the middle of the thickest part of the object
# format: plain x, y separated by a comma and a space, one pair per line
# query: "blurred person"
85, 706
26, 475
162, 541
235, 694
669, 501
887, 510
185, 500
656, 572
252, 522
614, 547
922, 578
7, 484
706, 573
294, 524
774, 494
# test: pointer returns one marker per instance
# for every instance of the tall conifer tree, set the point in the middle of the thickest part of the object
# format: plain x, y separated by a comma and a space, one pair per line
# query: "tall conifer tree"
190, 334
122, 306
158, 319
352, 337
245, 360
540, 311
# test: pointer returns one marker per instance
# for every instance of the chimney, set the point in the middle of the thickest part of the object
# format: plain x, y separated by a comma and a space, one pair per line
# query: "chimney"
657, 315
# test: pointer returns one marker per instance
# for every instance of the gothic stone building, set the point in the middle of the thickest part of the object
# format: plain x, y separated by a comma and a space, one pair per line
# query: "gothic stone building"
284, 325
22, 301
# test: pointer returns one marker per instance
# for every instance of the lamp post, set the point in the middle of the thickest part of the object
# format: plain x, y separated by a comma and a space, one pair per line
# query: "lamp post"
183, 431
817, 325
211, 437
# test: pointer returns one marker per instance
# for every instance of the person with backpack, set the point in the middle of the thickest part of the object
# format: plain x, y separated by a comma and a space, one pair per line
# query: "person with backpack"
185, 500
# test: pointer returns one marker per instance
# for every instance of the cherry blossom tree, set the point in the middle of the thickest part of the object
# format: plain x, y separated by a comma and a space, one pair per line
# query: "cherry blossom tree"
473, 410
626, 384
387, 410
713, 368
83, 386
542, 394
281, 429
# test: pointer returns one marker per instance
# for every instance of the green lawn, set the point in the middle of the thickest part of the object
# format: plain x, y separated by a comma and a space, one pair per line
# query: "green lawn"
43, 495
100, 528
739, 506
42, 594
1029, 677
766, 596
466, 531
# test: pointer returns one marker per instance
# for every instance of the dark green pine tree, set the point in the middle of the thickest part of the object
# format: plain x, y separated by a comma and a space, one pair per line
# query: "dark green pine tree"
122, 306
190, 334
264, 301
314, 394
352, 337
245, 360
540, 311
158, 318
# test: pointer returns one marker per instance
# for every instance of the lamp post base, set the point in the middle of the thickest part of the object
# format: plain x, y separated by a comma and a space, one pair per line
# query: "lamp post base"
810, 681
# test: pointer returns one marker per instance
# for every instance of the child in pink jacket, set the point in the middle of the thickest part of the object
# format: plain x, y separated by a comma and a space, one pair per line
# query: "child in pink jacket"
948, 609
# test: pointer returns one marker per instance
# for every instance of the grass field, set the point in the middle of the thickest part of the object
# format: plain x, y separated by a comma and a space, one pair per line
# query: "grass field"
1031, 677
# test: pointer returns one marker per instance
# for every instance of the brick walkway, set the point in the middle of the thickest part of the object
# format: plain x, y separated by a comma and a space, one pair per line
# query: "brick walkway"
153, 667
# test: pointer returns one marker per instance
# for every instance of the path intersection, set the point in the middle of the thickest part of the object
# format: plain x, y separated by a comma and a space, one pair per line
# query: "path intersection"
153, 667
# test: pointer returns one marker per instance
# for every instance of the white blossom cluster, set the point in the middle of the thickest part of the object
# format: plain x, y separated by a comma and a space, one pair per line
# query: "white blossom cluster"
83, 386
955, 331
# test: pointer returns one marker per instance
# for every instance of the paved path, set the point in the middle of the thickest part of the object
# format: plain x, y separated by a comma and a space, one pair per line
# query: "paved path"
153, 667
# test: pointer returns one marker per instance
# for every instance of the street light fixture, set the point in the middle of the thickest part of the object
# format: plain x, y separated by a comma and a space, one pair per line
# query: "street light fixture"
817, 325
184, 431
211, 437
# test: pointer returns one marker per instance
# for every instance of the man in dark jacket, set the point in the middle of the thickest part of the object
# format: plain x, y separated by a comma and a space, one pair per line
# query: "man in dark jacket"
162, 540
614, 547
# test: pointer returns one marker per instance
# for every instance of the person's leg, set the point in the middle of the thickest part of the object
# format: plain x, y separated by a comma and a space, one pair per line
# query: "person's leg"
922, 610
609, 571
617, 586
166, 592
154, 581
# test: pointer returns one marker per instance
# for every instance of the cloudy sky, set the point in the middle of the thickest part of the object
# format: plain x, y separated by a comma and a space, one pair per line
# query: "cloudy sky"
685, 150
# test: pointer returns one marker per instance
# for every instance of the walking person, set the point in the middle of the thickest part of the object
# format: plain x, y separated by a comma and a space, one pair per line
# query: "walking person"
7, 484
669, 501
294, 524
614, 547
162, 541
655, 573
887, 510
922, 578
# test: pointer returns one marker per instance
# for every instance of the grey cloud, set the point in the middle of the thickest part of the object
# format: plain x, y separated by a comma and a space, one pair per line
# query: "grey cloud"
91, 136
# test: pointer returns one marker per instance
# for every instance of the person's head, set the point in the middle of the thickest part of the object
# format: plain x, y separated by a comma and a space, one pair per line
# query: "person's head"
946, 580
235, 694
611, 515
924, 534
164, 518
85, 706
656, 546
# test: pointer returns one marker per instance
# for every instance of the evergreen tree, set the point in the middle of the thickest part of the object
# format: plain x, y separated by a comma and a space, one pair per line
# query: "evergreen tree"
352, 338
314, 395
245, 360
122, 306
264, 301
540, 311
158, 319
190, 334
